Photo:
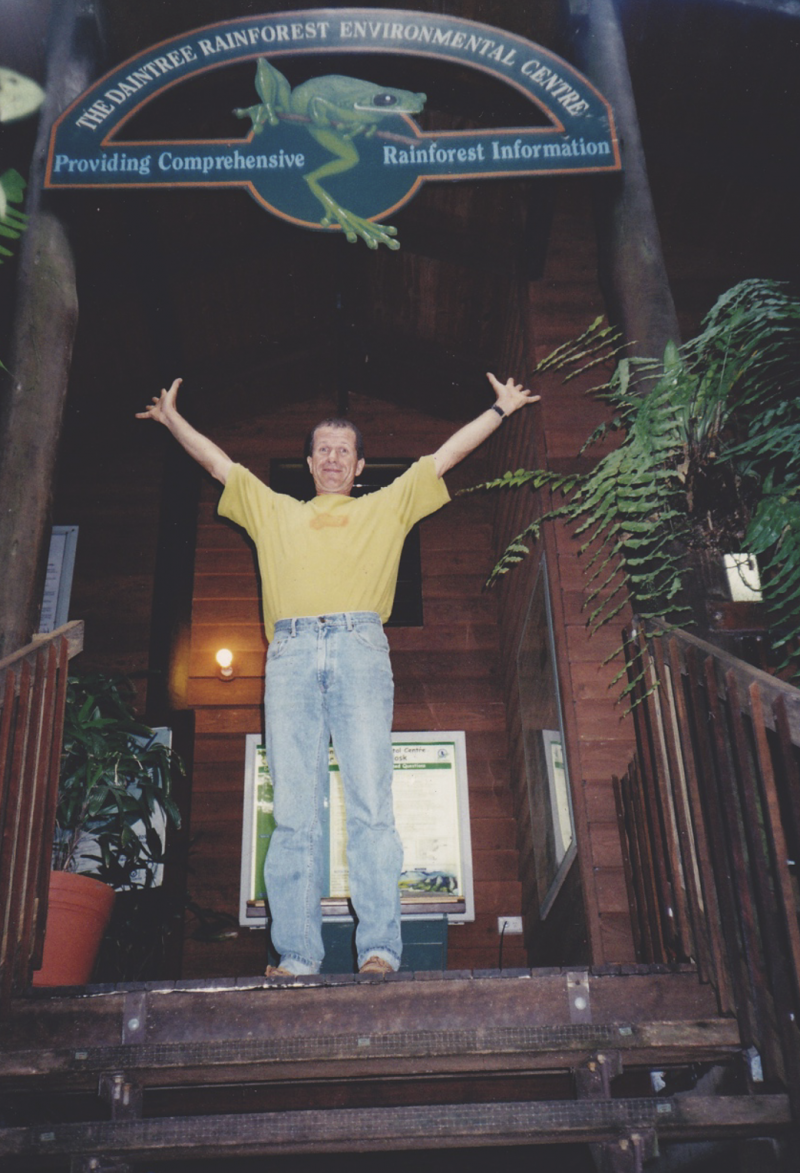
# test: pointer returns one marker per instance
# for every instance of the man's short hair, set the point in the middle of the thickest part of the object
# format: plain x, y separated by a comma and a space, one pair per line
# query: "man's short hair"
335, 422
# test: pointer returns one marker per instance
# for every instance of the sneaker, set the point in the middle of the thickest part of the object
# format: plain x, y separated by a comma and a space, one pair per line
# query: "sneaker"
376, 965
277, 971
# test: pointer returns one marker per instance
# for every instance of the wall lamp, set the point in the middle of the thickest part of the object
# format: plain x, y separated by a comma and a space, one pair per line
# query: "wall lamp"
224, 658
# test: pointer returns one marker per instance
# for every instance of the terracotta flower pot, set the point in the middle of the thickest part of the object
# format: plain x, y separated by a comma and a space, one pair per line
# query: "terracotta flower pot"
78, 911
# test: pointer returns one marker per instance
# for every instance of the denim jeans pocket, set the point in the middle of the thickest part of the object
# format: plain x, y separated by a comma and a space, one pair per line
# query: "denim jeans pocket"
278, 646
372, 636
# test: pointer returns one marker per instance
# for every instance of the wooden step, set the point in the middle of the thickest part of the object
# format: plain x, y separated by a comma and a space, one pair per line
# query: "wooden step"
350, 1027
685, 1118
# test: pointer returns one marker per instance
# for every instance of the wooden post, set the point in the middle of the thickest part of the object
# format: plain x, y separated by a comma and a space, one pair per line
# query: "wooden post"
631, 263
33, 401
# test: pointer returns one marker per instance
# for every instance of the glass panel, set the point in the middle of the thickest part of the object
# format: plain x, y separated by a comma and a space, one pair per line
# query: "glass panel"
545, 760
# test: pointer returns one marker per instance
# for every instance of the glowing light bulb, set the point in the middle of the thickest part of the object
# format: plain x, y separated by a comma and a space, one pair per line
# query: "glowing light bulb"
224, 658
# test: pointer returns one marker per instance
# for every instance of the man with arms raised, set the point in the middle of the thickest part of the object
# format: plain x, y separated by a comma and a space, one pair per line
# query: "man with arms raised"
328, 574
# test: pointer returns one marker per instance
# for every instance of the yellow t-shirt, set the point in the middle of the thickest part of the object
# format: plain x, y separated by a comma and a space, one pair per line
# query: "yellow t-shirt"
332, 553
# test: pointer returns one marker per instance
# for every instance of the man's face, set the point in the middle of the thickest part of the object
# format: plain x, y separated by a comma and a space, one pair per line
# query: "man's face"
333, 462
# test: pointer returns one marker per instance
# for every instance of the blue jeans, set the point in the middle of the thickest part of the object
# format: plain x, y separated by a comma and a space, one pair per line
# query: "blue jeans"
329, 678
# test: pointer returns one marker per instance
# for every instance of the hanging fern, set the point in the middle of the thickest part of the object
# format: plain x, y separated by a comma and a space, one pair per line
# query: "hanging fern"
710, 458
12, 222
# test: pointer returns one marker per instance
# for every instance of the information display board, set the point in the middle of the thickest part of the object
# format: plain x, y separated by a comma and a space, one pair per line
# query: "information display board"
432, 815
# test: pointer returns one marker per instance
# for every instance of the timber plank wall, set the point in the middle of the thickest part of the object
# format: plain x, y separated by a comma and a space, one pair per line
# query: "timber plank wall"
446, 677
590, 919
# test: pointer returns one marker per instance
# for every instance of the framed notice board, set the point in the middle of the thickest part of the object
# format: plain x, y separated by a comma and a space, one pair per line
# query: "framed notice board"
432, 815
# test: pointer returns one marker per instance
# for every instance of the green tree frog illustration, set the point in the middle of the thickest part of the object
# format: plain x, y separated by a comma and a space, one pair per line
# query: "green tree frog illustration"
335, 109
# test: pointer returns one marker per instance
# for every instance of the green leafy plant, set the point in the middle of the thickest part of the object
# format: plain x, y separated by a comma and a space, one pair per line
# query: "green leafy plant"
114, 786
709, 459
12, 222
20, 97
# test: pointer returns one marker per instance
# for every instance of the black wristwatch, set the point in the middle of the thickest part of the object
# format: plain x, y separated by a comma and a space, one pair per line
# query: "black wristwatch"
499, 411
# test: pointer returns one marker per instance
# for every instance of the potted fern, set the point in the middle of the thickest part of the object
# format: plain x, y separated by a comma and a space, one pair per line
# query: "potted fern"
114, 804
709, 461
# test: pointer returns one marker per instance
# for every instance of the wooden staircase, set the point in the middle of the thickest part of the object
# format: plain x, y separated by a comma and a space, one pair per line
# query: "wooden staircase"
698, 1042
107, 1077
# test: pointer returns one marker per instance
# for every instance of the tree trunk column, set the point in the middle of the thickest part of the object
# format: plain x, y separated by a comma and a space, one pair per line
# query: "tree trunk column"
632, 273
32, 407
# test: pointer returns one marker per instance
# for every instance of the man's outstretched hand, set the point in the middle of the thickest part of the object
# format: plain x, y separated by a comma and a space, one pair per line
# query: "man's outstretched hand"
162, 406
510, 395
163, 409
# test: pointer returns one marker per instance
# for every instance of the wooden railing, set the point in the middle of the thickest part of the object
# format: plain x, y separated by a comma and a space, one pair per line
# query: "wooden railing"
710, 815
33, 685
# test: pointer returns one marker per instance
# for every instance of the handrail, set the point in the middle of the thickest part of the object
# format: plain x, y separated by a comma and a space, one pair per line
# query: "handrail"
72, 632
33, 683
709, 812
771, 687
